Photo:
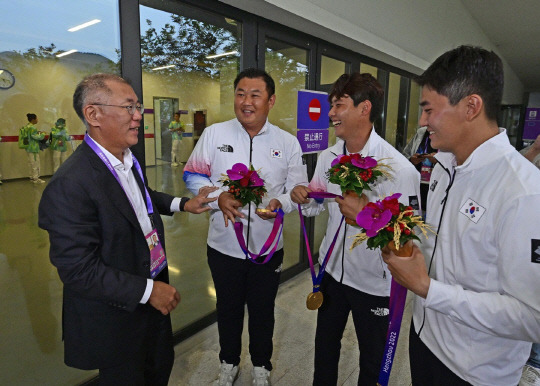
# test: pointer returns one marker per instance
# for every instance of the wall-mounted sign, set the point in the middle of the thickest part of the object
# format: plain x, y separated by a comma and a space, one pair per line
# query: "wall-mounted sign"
312, 121
531, 127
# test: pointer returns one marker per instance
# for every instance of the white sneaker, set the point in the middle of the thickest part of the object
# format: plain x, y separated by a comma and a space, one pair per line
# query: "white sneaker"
227, 374
530, 376
174, 164
38, 181
261, 376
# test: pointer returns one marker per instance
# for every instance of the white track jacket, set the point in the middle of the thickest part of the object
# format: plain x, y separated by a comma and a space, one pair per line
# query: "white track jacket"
361, 268
483, 303
274, 151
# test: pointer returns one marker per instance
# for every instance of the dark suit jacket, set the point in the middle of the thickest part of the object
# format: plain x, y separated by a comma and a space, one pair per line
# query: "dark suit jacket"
102, 258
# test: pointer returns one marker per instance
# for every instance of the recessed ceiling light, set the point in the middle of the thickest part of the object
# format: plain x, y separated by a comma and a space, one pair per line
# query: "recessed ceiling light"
84, 25
163, 67
220, 55
66, 53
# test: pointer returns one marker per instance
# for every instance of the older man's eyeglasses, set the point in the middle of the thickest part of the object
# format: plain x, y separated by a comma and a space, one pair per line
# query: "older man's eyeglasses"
130, 108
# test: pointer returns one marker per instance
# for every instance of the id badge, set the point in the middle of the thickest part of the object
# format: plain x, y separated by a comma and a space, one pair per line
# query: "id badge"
425, 173
158, 260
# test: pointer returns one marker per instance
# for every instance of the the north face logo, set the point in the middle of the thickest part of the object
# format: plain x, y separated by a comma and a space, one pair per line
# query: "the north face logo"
226, 148
535, 251
380, 311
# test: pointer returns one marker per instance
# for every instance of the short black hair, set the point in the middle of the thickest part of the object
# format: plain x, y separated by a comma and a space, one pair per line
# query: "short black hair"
93, 87
464, 71
253, 73
31, 117
360, 87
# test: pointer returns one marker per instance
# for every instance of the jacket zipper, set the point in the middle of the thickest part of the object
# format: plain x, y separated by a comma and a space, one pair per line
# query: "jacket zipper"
443, 203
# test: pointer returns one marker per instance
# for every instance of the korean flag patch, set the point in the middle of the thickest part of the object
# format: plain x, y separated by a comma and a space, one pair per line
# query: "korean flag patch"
276, 153
535, 251
472, 210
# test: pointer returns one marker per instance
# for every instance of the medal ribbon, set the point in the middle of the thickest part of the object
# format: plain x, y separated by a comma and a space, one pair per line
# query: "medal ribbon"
105, 160
398, 295
277, 229
316, 279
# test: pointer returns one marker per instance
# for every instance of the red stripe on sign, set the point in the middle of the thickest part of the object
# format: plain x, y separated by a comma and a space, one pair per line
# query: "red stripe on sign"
10, 138
148, 135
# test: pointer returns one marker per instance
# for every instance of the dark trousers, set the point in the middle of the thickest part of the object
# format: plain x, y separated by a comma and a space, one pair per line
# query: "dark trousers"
150, 365
426, 368
370, 317
239, 282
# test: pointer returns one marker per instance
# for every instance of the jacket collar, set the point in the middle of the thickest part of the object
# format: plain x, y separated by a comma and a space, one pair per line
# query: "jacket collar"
262, 131
368, 150
112, 189
489, 151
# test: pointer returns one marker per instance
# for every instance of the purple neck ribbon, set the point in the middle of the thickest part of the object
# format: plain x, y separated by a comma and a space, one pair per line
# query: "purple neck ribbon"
316, 279
276, 232
106, 161
398, 295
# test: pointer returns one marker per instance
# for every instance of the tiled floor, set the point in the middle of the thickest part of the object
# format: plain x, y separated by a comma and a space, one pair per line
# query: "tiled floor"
197, 360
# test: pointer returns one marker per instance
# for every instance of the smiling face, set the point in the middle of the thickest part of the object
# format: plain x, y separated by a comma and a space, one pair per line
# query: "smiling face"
445, 123
347, 118
116, 129
252, 103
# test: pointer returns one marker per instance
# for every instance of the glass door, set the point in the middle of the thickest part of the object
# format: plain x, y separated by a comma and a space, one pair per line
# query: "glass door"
287, 60
164, 109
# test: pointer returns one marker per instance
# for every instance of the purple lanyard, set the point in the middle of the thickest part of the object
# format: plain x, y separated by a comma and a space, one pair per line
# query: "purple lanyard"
316, 279
276, 231
106, 161
398, 295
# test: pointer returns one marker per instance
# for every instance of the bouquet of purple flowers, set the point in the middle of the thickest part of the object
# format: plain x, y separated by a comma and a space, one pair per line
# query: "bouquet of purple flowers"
388, 222
244, 184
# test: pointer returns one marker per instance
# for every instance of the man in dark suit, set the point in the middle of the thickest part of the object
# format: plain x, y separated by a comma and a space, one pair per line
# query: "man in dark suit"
99, 213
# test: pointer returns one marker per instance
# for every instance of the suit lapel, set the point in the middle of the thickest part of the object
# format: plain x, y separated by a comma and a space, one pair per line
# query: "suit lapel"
111, 187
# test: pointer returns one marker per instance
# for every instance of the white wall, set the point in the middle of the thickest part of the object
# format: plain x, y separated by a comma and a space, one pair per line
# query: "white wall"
534, 100
409, 34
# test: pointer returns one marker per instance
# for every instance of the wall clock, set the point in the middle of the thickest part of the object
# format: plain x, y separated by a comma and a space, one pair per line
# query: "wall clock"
7, 79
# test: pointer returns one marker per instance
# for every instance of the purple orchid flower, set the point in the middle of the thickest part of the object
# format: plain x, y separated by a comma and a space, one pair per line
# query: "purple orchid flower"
336, 160
255, 180
373, 218
363, 162
237, 172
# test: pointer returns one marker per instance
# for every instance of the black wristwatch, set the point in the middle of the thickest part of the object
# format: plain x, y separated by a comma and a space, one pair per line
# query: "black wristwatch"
183, 201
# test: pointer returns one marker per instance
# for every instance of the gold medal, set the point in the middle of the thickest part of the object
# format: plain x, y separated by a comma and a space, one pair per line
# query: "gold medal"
314, 300
259, 210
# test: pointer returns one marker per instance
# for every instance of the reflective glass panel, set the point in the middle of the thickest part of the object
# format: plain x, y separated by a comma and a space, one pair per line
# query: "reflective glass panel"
47, 60
190, 59
366, 68
392, 108
288, 66
414, 111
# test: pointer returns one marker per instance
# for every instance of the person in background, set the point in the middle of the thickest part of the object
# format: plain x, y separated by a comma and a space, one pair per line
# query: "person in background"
476, 304
176, 128
422, 156
532, 152
32, 149
531, 371
356, 281
59, 138
247, 139
100, 214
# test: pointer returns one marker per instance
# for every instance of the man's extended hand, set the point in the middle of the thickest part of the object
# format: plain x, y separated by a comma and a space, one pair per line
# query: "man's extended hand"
299, 194
351, 205
198, 203
268, 212
164, 297
228, 205
410, 271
